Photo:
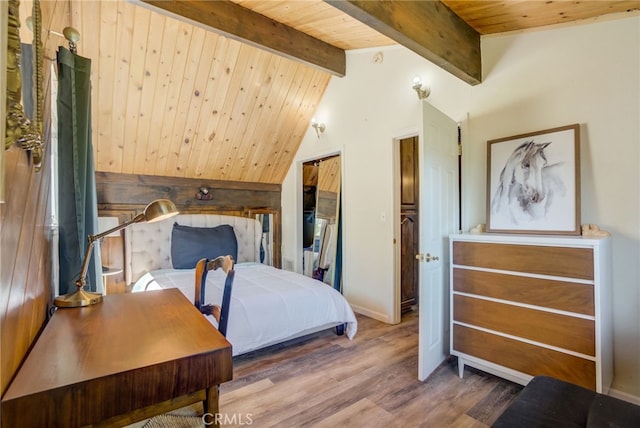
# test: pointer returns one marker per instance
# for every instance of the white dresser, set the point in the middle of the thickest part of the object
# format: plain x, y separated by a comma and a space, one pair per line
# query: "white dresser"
524, 305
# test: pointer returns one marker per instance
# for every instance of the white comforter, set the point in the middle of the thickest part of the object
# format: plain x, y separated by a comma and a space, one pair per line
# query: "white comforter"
268, 305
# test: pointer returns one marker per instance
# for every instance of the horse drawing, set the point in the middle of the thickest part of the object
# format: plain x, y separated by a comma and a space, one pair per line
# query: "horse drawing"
527, 184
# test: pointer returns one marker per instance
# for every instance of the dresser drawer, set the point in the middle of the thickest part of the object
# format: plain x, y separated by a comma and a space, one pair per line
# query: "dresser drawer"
561, 295
524, 357
565, 262
562, 331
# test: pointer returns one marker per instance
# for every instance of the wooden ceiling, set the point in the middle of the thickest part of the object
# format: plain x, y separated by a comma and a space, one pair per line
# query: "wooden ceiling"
491, 17
173, 98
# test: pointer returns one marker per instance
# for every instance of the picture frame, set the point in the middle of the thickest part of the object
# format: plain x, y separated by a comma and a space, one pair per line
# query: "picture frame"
21, 129
533, 182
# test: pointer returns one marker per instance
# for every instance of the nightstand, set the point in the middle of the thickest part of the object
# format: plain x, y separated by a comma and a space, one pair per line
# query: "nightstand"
107, 271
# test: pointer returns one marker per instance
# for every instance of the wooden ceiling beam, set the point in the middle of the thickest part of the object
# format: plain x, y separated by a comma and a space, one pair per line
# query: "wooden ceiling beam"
239, 23
428, 28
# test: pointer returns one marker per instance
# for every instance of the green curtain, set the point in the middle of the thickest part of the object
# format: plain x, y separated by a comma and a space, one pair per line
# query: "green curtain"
78, 208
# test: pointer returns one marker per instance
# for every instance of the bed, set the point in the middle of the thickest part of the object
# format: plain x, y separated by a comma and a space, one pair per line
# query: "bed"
268, 305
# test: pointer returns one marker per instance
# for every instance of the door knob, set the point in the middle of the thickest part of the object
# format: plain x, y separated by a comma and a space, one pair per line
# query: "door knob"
426, 258
429, 258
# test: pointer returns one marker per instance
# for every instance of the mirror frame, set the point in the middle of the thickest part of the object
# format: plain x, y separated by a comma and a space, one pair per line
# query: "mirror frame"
19, 129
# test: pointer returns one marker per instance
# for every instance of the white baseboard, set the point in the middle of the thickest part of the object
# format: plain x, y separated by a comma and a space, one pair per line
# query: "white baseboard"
624, 396
371, 314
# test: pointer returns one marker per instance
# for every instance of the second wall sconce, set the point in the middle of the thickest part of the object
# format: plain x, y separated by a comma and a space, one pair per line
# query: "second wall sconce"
319, 127
204, 194
422, 90
72, 35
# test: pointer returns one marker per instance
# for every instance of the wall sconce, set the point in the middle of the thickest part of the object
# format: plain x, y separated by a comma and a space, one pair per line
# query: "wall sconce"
72, 35
319, 127
160, 209
422, 90
204, 194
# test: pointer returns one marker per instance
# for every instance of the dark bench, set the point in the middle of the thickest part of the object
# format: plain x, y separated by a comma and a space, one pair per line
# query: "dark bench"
552, 403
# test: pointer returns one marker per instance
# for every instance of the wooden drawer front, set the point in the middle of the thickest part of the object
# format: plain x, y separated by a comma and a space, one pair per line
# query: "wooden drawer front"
564, 296
563, 331
556, 261
524, 357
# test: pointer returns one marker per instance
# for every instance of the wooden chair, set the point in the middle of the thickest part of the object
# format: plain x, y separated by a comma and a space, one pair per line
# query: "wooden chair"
220, 313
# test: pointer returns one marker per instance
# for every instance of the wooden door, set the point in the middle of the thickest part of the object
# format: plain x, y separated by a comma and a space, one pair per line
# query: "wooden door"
409, 225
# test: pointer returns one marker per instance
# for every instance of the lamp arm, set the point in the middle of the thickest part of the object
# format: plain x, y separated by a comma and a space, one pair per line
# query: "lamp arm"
114, 229
91, 241
85, 263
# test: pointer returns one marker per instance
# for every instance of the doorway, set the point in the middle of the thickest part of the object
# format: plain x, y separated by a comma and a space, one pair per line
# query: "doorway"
432, 159
409, 222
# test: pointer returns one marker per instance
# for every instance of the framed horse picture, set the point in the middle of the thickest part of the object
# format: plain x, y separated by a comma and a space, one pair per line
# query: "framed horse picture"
533, 182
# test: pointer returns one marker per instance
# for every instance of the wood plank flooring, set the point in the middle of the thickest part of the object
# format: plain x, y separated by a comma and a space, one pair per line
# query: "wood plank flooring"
326, 380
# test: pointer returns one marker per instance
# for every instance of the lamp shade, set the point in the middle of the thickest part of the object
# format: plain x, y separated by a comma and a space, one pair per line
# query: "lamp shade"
158, 210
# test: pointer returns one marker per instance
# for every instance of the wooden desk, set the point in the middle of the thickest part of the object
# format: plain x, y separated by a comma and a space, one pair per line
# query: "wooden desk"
130, 357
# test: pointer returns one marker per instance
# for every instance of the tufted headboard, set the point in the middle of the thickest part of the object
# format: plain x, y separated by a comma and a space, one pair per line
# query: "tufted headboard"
147, 246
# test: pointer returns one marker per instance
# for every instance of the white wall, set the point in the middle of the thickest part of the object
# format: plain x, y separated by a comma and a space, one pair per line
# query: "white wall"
587, 74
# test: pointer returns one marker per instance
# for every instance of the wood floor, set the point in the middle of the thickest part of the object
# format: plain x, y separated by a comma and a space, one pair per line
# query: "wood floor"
327, 380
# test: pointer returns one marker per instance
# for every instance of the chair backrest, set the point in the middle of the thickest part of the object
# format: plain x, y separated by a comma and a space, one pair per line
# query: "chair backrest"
221, 313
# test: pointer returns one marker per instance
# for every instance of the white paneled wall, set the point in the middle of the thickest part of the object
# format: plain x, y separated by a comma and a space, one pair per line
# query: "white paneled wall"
587, 74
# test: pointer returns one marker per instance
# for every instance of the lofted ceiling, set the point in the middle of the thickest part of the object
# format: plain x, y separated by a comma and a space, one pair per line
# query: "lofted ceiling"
173, 98
491, 17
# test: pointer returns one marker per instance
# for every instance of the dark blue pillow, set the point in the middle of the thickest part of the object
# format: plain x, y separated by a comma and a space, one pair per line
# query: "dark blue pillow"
190, 244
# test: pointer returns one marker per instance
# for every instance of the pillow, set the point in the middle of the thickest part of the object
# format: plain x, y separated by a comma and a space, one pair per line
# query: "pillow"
190, 244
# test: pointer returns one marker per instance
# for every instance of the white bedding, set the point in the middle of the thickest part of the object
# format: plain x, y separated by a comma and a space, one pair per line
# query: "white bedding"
268, 305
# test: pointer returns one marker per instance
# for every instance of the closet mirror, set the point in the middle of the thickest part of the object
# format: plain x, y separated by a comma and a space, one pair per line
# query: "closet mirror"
266, 242
321, 220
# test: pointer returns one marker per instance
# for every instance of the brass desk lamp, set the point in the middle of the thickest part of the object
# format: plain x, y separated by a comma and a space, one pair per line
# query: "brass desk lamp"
158, 210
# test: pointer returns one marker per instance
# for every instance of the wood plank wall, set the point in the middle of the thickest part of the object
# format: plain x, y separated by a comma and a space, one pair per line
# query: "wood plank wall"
25, 266
125, 195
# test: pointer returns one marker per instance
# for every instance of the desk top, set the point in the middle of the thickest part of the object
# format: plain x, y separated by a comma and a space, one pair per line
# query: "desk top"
147, 341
